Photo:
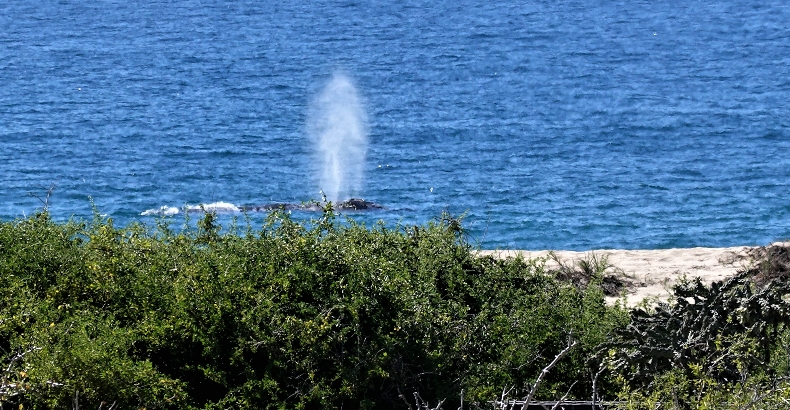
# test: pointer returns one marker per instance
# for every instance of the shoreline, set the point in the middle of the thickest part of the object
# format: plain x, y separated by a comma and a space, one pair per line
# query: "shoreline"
652, 272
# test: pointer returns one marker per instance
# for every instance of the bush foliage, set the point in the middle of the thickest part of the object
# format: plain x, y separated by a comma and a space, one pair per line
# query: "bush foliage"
328, 314
719, 346
292, 315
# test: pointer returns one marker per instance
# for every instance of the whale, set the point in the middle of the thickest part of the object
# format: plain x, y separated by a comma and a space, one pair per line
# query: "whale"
351, 204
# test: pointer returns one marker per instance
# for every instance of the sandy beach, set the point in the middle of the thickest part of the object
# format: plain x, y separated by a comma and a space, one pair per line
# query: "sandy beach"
652, 272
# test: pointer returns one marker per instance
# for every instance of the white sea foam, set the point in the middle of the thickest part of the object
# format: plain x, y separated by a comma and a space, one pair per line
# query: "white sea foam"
163, 210
219, 207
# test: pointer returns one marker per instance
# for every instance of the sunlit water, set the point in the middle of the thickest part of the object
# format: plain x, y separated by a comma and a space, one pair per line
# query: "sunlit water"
561, 125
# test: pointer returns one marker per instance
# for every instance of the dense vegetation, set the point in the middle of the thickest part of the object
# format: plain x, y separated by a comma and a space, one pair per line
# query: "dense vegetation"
726, 345
328, 314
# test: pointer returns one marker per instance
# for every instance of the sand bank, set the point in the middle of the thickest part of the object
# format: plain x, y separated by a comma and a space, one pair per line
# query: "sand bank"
652, 272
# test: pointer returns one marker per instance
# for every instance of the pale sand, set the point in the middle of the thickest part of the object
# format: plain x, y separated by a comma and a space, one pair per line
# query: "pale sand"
654, 271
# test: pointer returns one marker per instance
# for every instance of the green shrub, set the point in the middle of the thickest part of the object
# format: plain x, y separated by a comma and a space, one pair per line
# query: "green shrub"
726, 345
295, 315
676, 390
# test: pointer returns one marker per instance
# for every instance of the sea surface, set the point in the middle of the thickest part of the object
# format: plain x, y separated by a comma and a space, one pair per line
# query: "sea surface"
547, 124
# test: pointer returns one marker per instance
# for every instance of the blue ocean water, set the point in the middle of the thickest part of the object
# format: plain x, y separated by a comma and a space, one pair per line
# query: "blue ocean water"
552, 124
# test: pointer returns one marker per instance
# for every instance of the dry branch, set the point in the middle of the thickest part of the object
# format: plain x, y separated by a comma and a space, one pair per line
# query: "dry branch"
545, 371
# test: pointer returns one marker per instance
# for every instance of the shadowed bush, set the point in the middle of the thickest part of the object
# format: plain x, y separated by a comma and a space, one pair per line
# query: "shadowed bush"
722, 346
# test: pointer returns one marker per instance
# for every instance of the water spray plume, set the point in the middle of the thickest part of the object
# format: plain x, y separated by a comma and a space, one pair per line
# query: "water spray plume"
337, 126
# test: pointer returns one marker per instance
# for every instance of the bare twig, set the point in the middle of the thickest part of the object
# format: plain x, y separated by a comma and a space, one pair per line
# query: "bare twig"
595, 386
563, 397
50, 383
45, 200
545, 371
112, 406
18, 356
402, 397
757, 397
8, 387
502, 402
419, 402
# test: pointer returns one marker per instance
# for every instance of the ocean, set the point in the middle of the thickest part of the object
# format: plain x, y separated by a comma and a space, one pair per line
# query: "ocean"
544, 124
